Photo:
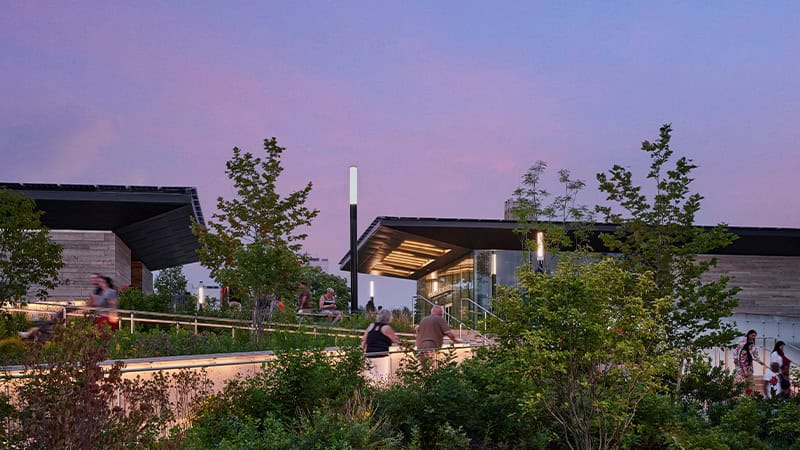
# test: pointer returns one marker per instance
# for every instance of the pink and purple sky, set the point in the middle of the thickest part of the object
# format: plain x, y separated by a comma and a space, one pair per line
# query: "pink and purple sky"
442, 105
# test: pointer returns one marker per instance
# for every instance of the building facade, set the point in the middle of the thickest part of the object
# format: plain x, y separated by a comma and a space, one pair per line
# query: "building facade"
460, 262
123, 232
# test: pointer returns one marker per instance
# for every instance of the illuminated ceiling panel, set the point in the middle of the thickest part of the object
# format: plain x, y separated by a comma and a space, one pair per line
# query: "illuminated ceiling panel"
423, 248
385, 269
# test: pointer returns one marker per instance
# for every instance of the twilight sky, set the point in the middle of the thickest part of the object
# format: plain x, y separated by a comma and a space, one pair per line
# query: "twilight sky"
442, 105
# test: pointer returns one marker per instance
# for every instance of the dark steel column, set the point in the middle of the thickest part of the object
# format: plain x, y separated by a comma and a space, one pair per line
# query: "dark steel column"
353, 259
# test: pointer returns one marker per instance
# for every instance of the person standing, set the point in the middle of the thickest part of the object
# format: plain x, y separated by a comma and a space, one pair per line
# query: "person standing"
781, 364
304, 300
431, 333
370, 309
376, 341
327, 304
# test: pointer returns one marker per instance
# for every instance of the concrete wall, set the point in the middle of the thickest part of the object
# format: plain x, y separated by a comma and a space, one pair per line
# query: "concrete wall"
87, 252
770, 284
141, 277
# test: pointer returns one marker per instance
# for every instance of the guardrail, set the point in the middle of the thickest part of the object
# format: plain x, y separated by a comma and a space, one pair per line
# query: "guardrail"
193, 321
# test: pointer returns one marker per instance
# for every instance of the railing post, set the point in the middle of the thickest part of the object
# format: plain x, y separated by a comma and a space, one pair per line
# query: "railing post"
233, 331
195, 326
132, 322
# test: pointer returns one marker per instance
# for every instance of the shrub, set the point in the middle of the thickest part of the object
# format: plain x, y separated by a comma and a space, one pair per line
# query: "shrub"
69, 401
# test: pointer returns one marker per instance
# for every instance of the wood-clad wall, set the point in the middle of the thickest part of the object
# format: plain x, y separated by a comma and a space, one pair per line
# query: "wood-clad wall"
770, 284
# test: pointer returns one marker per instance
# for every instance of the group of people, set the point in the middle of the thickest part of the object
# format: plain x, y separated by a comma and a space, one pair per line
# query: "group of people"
327, 303
379, 336
777, 378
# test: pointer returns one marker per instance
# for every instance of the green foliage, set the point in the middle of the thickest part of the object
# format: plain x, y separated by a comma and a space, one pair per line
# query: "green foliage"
28, 257
257, 228
706, 383
263, 269
288, 389
563, 221
658, 236
69, 401
170, 281
134, 299
589, 340
428, 402
158, 342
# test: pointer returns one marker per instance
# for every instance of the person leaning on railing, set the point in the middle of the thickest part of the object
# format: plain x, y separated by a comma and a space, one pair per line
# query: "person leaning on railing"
375, 342
431, 333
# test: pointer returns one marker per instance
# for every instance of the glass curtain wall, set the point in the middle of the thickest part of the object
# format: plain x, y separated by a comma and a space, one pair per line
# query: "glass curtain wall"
468, 280
446, 287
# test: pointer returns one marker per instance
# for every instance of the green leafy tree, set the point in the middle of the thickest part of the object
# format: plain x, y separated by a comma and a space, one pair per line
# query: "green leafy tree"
319, 281
28, 258
563, 221
589, 341
170, 281
658, 235
257, 229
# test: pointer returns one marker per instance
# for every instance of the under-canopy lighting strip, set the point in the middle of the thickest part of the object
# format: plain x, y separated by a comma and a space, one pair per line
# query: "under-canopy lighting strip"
423, 248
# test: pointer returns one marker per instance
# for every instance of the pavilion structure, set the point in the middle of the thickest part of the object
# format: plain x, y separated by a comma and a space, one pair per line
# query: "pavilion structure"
123, 232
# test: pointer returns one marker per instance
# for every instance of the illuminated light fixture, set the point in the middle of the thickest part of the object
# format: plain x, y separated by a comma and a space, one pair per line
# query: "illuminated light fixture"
383, 268
494, 263
540, 246
201, 295
405, 259
433, 275
423, 248
464, 266
371, 288
435, 286
353, 185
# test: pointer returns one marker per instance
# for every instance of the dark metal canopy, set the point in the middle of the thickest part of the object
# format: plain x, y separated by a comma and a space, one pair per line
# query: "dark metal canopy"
407, 247
154, 222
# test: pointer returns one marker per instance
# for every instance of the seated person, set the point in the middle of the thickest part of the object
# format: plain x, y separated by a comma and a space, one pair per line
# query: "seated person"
327, 304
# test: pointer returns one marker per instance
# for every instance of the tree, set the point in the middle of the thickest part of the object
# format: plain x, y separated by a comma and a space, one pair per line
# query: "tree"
28, 258
563, 221
170, 281
658, 235
319, 281
257, 229
588, 341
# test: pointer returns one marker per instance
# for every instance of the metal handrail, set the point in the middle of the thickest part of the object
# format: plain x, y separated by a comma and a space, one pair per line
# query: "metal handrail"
485, 311
192, 321
481, 309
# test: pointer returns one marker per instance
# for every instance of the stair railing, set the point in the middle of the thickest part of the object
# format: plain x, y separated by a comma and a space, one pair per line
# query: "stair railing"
449, 317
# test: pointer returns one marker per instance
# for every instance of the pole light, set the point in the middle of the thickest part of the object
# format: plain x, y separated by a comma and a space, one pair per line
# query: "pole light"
353, 239
540, 251
494, 274
372, 290
201, 296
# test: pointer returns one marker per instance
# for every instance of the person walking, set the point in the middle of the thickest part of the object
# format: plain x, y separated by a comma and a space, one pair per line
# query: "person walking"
107, 302
375, 342
431, 333
746, 355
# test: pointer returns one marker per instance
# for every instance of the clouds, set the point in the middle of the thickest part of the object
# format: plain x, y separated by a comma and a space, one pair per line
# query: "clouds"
442, 112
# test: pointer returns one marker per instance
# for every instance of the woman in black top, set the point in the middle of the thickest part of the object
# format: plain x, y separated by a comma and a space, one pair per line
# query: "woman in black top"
379, 336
